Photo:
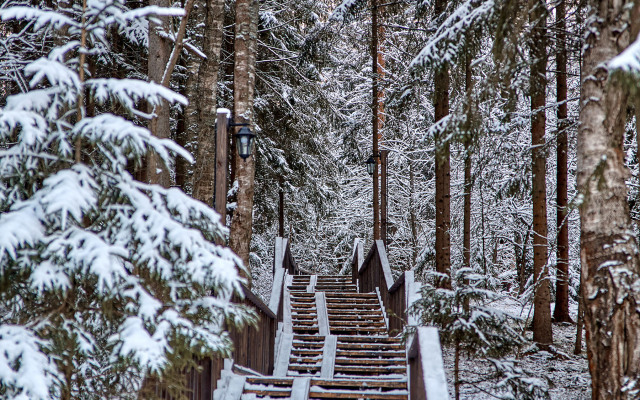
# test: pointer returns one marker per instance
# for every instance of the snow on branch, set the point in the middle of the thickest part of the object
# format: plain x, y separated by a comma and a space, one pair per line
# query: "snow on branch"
129, 91
448, 41
25, 372
346, 8
629, 60
41, 18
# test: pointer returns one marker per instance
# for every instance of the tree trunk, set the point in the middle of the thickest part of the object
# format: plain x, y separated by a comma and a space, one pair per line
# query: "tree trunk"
243, 88
610, 270
159, 52
375, 123
442, 167
466, 236
204, 171
542, 308
561, 310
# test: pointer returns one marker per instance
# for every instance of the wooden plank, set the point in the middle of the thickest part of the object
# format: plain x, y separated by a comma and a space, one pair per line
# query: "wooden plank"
221, 165
276, 290
279, 254
430, 358
323, 318
371, 383
286, 308
284, 353
329, 356
357, 395
257, 301
312, 284
270, 381
300, 388
384, 311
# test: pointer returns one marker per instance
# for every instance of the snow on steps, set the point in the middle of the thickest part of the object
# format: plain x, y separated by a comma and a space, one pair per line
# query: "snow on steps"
337, 347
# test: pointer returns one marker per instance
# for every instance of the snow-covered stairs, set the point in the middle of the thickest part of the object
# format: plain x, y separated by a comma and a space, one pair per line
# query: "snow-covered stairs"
334, 345
355, 314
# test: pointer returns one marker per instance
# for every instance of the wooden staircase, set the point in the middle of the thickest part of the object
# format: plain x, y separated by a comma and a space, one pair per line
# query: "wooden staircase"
329, 338
335, 346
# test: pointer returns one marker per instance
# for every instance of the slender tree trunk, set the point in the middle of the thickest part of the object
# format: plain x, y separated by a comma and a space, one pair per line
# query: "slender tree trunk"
561, 310
542, 332
577, 349
204, 171
243, 89
412, 215
375, 123
442, 167
610, 268
159, 53
466, 236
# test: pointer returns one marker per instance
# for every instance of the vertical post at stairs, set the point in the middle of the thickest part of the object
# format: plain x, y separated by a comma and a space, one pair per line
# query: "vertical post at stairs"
220, 187
383, 195
281, 214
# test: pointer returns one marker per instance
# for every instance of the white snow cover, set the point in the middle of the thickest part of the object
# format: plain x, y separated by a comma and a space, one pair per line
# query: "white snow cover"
629, 59
435, 381
445, 44
25, 372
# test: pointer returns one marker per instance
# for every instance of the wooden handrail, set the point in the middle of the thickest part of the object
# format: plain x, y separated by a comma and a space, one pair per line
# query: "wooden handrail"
427, 380
375, 272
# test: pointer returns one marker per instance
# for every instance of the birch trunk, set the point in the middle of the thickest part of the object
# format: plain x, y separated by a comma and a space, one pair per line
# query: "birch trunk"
610, 270
243, 89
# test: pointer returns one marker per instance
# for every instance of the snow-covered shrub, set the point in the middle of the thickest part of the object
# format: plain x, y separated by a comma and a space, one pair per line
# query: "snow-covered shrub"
466, 319
104, 280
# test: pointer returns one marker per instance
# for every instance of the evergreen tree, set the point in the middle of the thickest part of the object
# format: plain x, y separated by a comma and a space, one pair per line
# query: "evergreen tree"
466, 320
104, 280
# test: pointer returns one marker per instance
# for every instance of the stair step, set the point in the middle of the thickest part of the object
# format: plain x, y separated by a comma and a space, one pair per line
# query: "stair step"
371, 361
367, 346
369, 354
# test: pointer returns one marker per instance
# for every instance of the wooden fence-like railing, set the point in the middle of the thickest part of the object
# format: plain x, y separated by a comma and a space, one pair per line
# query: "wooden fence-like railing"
374, 272
427, 380
254, 345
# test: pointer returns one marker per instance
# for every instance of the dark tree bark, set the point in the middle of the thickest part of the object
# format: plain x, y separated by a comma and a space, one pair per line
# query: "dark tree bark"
442, 168
204, 171
609, 253
561, 310
243, 89
542, 332
375, 123
466, 236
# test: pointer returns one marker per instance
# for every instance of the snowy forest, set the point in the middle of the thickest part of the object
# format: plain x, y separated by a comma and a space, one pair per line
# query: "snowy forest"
491, 146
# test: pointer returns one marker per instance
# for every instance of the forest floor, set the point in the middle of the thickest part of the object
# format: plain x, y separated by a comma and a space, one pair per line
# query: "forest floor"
566, 374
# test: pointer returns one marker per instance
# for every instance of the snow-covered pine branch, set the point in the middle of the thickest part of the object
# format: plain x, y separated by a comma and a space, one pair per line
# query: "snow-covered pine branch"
107, 276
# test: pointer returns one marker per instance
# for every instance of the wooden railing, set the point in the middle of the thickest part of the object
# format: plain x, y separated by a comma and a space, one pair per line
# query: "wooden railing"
253, 345
427, 380
374, 272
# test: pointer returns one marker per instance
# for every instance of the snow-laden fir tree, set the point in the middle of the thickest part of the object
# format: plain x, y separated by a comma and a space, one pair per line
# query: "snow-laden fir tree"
104, 280
466, 320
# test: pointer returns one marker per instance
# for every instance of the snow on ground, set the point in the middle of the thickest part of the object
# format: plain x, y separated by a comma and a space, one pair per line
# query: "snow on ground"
566, 374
